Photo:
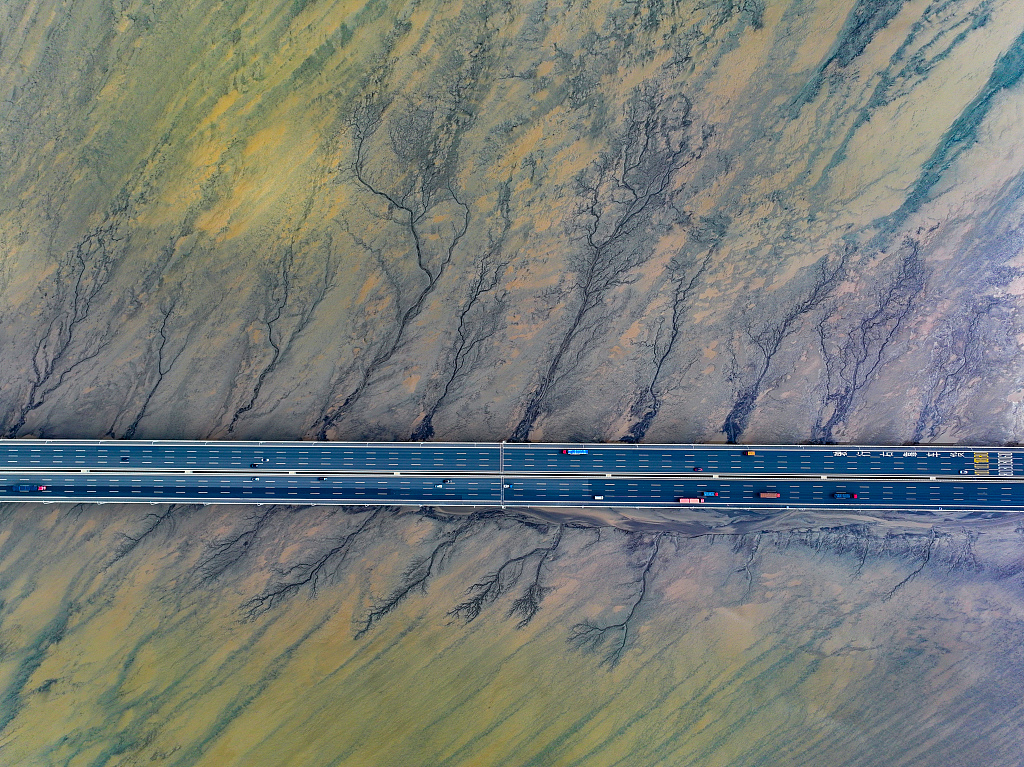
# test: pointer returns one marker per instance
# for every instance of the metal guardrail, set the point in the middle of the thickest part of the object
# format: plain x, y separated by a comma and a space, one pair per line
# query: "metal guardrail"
522, 445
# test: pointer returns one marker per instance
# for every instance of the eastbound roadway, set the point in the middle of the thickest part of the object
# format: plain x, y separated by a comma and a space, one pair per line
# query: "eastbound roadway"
478, 474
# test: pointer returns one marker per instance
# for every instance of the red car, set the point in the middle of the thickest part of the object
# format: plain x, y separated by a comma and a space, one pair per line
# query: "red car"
769, 494
698, 468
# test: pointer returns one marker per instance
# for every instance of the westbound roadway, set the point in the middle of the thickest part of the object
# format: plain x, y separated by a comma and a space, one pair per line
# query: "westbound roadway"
483, 474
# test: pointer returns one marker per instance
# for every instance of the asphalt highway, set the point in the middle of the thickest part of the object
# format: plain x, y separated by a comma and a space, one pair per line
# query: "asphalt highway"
507, 475
430, 457
506, 490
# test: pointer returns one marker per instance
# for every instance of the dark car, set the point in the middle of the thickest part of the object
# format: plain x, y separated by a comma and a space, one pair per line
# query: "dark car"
254, 465
698, 468
321, 479
124, 459
843, 496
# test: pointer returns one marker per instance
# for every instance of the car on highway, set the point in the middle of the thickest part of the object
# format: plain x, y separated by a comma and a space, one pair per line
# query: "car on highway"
321, 479
27, 488
254, 465
769, 494
844, 496
575, 451
698, 468
124, 459
965, 471
598, 497
439, 487
749, 452
709, 493
689, 500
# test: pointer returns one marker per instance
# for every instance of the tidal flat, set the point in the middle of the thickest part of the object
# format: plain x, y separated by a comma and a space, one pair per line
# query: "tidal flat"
366, 636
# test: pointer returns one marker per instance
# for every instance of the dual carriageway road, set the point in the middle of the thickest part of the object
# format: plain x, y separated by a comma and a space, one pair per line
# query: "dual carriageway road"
511, 475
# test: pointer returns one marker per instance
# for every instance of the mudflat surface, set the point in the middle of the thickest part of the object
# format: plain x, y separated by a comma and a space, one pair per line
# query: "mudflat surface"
762, 222
313, 636
767, 222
